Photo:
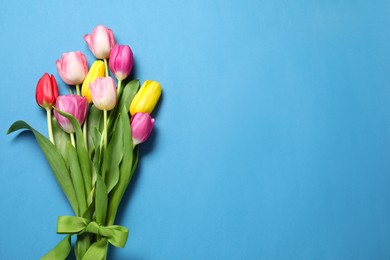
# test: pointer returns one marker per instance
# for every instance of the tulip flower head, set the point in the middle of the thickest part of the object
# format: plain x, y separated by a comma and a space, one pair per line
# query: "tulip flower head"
100, 42
47, 91
72, 67
97, 70
146, 98
141, 127
103, 92
121, 61
71, 104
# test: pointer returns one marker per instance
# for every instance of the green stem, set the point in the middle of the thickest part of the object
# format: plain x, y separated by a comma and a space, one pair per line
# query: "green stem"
106, 65
105, 130
83, 242
49, 125
119, 91
85, 132
78, 90
105, 137
72, 140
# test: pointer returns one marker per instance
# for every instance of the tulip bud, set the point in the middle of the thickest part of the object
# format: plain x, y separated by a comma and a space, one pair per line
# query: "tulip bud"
141, 127
103, 92
97, 70
71, 104
100, 42
121, 61
72, 67
46, 93
146, 98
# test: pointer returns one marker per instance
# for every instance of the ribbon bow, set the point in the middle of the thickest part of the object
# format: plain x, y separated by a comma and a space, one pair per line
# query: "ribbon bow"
116, 235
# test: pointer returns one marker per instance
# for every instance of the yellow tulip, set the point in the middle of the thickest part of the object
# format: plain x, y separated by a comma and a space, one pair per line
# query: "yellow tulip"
146, 98
97, 70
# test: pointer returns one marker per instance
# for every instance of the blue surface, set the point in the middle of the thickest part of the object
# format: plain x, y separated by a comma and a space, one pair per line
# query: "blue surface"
272, 138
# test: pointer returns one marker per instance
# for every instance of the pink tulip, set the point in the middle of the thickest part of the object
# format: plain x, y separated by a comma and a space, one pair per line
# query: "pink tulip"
141, 127
121, 61
71, 104
103, 92
72, 67
100, 42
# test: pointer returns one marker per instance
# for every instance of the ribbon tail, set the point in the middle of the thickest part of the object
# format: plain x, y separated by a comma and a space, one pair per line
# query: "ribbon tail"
97, 251
60, 251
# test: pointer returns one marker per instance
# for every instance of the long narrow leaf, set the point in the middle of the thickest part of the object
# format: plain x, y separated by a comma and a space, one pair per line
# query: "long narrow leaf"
113, 156
55, 160
125, 169
59, 252
101, 200
128, 94
94, 121
97, 251
77, 178
82, 152
61, 138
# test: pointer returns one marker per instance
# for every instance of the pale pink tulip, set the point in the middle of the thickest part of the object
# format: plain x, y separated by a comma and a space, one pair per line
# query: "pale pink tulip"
100, 42
72, 67
103, 92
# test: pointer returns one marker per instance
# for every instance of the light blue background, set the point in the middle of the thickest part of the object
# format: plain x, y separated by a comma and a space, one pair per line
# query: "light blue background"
272, 138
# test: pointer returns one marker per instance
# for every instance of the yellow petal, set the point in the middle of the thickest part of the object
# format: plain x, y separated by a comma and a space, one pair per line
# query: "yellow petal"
146, 98
97, 70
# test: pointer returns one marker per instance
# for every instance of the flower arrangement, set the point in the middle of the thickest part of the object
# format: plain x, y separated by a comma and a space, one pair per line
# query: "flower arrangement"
93, 140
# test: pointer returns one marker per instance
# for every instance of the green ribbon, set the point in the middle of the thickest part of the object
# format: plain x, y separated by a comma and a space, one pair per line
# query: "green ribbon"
115, 235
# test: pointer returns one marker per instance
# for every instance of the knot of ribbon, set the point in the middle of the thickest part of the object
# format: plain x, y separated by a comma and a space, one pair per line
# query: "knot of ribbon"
115, 235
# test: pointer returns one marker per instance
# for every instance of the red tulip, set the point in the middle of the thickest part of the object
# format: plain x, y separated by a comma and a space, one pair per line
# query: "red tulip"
47, 91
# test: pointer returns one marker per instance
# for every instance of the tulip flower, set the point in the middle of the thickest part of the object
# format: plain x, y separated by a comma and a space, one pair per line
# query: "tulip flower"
100, 42
96, 71
146, 98
71, 104
121, 61
103, 92
47, 91
46, 95
141, 127
73, 68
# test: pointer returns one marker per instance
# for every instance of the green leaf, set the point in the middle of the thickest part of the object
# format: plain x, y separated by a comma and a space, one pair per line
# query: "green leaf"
95, 117
135, 160
97, 251
85, 164
128, 94
95, 153
91, 206
113, 156
61, 138
55, 160
101, 200
77, 179
59, 252
96, 156
125, 169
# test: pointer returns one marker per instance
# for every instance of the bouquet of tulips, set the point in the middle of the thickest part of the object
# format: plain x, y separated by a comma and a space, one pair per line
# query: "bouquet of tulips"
92, 146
